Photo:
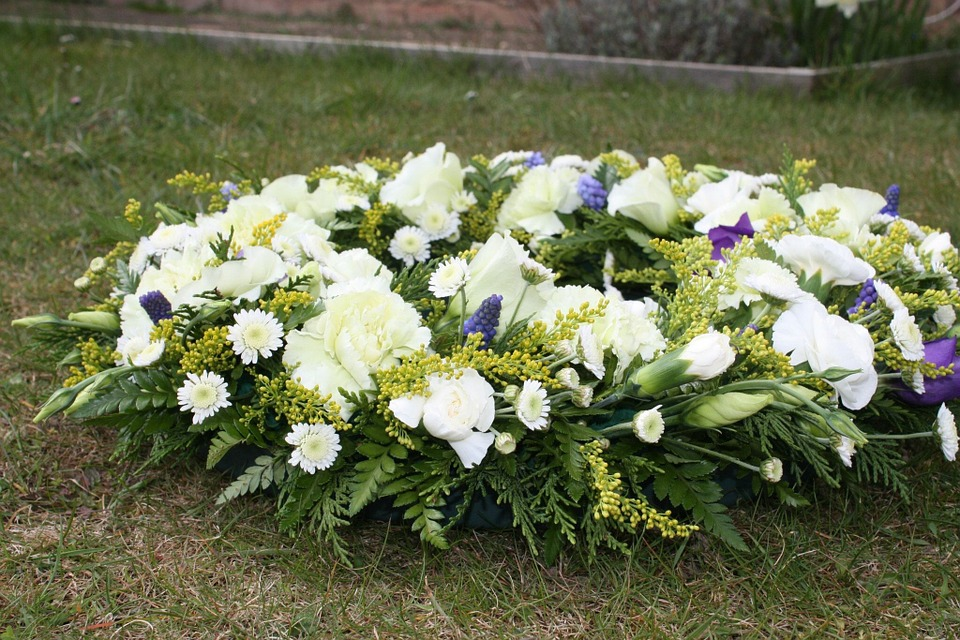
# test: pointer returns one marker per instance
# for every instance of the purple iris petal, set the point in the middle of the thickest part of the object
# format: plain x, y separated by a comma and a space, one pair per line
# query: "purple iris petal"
941, 353
728, 236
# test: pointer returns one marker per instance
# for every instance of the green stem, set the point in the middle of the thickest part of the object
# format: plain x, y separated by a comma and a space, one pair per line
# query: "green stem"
715, 454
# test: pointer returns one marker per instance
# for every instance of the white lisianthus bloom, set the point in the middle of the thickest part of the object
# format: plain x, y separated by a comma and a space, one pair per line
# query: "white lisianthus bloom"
709, 355
410, 245
906, 335
451, 275
496, 269
648, 425
177, 269
846, 448
772, 470
532, 405
934, 246
534, 203
357, 334
203, 394
888, 296
459, 410
647, 197
855, 209
756, 277
317, 446
808, 333
255, 333
432, 178
835, 262
945, 315
241, 279
720, 203
947, 431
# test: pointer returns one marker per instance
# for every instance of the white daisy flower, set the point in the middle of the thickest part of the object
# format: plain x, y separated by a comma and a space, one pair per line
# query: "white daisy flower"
256, 333
203, 394
906, 334
772, 470
648, 425
845, 449
947, 430
532, 405
888, 296
462, 201
438, 223
410, 244
317, 446
449, 278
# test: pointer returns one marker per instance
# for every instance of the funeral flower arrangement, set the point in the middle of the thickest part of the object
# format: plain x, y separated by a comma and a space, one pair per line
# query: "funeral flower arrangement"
595, 347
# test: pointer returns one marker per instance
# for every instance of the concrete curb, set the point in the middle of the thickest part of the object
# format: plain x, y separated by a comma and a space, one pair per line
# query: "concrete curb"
723, 77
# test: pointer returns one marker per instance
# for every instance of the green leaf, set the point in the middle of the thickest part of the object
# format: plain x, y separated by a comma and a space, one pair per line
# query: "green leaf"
690, 487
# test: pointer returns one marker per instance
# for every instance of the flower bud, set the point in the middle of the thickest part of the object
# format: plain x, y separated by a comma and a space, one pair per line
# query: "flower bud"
97, 320
648, 425
505, 443
98, 264
705, 357
511, 393
725, 409
582, 397
82, 283
568, 377
564, 349
772, 470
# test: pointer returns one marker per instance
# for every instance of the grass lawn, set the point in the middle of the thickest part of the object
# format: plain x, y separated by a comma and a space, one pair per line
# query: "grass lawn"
95, 550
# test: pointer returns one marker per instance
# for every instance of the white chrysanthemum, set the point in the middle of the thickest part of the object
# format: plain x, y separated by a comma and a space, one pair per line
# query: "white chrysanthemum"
888, 296
568, 377
410, 244
317, 446
139, 350
914, 380
845, 449
906, 334
912, 259
648, 425
756, 277
256, 333
449, 278
772, 470
947, 430
532, 405
203, 394
462, 201
945, 315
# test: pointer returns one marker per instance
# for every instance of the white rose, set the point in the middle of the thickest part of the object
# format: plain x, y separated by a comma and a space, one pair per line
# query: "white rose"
647, 197
459, 410
808, 333
241, 279
434, 177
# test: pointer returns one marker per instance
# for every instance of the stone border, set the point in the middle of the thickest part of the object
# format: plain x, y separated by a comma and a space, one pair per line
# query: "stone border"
799, 80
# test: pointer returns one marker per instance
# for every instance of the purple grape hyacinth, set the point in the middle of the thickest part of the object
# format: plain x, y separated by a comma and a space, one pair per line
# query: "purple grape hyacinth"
592, 192
485, 319
157, 306
892, 208
535, 160
867, 296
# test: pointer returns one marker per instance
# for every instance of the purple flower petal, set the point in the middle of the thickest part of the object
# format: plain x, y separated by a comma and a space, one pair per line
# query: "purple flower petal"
941, 353
728, 236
